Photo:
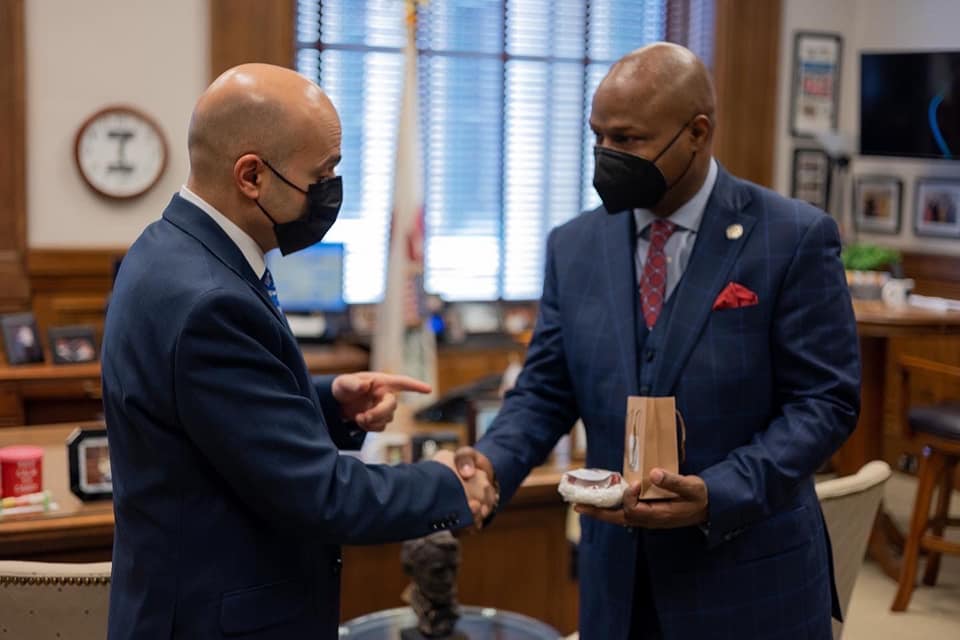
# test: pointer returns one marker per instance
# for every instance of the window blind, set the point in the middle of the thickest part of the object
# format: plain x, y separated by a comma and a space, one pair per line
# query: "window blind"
505, 92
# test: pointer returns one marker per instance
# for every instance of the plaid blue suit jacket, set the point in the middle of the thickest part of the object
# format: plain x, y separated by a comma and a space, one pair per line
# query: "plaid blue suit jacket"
768, 393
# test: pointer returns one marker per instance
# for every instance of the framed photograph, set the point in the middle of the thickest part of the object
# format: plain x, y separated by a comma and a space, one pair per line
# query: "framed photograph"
815, 91
938, 201
71, 345
877, 204
811, 177
21, 339
89, 462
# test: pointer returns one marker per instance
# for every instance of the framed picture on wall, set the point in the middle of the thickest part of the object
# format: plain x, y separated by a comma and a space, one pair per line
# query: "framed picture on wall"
811, 177
815, 88
937, 205
877, 204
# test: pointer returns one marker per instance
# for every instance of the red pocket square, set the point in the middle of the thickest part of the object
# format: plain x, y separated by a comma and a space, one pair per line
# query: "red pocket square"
735, 296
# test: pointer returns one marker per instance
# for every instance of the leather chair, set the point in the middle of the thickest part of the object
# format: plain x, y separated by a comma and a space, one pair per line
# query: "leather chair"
849, 508
936, 428
53, 600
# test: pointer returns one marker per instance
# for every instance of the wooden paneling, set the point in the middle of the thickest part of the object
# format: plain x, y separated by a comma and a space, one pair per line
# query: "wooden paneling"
14, 291
251, 31
746, 62
70, 286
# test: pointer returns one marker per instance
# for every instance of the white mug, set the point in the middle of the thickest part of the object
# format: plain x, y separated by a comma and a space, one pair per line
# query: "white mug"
896, 290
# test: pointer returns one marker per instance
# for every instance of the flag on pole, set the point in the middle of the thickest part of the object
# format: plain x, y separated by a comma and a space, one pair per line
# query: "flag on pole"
403, 342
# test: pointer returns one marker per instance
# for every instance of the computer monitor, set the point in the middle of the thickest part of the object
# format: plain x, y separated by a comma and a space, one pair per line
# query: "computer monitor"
311, 280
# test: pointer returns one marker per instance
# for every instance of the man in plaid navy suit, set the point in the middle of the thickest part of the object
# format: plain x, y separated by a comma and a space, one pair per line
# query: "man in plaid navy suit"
691, 283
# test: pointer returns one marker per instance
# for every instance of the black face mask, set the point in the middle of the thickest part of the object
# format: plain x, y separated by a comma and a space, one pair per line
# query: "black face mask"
625, 181
324, 198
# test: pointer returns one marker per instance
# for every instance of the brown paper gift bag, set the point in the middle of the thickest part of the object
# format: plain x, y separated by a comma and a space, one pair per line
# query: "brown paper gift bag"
652, 441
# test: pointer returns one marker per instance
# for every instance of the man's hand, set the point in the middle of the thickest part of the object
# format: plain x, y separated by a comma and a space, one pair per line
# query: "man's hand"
469, 461
369, 398
480, 493
687, 509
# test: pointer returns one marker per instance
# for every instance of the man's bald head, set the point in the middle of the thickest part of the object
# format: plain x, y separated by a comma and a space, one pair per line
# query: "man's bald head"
254, 124
663, 77
255, 108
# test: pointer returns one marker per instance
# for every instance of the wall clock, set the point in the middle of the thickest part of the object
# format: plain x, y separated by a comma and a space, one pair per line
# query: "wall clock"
120, 152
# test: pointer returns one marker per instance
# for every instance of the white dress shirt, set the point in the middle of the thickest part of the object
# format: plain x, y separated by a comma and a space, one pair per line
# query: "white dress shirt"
247, 245
680, 245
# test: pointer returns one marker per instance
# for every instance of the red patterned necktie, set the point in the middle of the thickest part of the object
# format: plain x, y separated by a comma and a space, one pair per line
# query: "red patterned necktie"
653, 283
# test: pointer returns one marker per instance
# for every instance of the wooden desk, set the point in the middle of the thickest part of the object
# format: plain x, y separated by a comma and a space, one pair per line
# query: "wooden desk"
527, 539
884, 331
52, 393
77, 531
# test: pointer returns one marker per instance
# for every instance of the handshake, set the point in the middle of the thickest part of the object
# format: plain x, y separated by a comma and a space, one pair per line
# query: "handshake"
478, 480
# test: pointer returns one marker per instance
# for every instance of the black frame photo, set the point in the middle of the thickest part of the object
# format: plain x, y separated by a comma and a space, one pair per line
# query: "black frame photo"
810, 179
815, 83
88, 456
73, 344
877, 203
937, 209
21, 339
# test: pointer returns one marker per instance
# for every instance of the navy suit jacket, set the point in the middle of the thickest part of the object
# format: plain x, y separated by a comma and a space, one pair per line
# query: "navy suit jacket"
229, 493
768, 392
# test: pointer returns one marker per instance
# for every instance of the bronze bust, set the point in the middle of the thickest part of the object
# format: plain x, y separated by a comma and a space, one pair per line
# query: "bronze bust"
432, 563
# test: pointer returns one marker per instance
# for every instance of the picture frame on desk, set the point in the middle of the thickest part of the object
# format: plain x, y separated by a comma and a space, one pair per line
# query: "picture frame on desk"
815, 83
21, 339
937, 211
73, 344
877, 203
88, 457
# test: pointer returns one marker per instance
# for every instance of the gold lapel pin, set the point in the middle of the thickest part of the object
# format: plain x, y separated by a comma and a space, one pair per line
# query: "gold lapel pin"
734, 231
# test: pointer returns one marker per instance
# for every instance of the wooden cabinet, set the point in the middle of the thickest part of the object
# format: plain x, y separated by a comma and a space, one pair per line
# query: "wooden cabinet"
462, 364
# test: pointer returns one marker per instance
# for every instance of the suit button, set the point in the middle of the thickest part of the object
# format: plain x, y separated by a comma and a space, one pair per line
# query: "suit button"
649, 354
645, 390
337, 565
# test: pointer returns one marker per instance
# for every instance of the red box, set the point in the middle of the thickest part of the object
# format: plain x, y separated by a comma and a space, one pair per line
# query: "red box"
21, 471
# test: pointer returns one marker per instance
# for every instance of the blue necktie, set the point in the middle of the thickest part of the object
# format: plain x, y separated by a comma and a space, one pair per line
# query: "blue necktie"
267, 281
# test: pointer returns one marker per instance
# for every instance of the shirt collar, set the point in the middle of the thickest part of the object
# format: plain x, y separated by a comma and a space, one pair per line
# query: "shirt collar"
690, 215
247, 245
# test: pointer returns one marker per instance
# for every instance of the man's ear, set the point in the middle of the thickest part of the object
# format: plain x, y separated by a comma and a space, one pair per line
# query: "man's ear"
702, 130
246, 175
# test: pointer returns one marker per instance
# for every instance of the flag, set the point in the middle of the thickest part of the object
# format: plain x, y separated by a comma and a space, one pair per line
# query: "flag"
404, 342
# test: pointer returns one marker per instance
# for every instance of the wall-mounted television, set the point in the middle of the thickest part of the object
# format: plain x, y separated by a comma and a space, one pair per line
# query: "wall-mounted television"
910, 104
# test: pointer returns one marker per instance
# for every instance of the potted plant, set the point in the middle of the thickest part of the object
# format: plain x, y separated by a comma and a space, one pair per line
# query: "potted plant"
869, 267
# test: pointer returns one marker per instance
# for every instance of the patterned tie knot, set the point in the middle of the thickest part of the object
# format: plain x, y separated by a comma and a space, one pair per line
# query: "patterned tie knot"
268, 283
660, 232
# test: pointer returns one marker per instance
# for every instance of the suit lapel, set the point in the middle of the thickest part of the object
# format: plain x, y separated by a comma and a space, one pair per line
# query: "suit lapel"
194, 222
618, 247
713, 257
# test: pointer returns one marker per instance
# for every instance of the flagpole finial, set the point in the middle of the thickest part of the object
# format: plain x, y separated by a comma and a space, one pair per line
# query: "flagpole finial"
412, 12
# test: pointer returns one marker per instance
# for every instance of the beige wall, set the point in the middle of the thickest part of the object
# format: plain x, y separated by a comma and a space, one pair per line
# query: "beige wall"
81, 56
873, 25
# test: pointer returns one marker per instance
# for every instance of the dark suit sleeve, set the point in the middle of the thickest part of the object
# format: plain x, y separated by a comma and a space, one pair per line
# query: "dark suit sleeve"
345, 433
816, 369
241, 406
541, 407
